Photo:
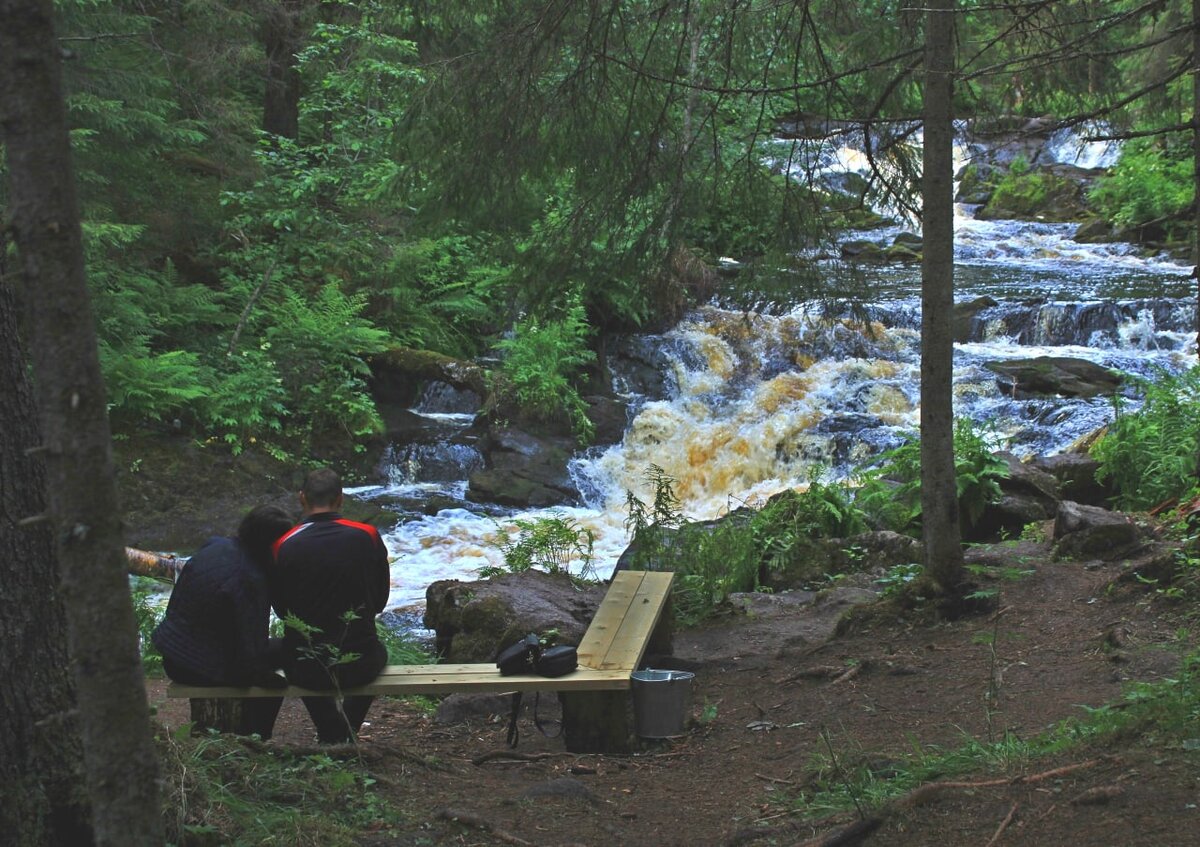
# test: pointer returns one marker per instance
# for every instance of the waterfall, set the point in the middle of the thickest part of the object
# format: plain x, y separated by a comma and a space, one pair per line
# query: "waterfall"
744, 405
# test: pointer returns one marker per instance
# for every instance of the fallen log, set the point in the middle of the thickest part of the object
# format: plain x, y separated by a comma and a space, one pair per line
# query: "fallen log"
145, 563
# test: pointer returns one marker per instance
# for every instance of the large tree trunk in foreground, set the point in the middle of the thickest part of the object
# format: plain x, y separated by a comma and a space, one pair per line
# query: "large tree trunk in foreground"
939, 497
43, 799
83, 518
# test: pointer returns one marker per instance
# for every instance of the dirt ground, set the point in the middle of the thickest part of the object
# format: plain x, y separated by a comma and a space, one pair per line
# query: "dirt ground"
776, 698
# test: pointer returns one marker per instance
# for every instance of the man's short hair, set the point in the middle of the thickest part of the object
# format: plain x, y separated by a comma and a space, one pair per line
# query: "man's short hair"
261, 528
322, 487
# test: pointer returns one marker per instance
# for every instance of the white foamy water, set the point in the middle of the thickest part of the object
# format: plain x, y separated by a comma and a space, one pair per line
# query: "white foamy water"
761, 403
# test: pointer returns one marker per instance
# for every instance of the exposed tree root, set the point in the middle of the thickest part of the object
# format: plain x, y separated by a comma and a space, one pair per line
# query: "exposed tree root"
1012, 813
857, 832
469, 819
512, 756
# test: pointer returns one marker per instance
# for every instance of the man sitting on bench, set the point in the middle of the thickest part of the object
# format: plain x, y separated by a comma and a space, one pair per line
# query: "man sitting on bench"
330, 581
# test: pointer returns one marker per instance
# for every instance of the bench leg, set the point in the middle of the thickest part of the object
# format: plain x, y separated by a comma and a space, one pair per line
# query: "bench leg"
597, 721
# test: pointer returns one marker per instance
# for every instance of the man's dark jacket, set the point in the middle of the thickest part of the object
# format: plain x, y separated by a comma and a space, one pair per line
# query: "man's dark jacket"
216, 625
332, 574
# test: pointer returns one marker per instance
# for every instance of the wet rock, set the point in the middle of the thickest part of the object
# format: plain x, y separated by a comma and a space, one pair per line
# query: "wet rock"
1053, 375
639, 365
1028, 495
810, 559
909, 239
523, 470
473, 620
1082, 532
902, 253
966, 318
1076, 476
862, 250
1094, 231
610, 416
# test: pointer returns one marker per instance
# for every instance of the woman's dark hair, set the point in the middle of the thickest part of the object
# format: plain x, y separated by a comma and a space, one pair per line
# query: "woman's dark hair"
261, 528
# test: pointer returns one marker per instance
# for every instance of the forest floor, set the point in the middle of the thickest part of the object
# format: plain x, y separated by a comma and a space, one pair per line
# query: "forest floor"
784, 712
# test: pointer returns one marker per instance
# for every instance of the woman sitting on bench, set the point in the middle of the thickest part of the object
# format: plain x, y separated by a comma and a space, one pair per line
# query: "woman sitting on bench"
215, 631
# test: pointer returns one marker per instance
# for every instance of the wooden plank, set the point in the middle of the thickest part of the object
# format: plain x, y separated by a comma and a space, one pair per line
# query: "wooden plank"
610, 650
432, 679
607, 621
633, 634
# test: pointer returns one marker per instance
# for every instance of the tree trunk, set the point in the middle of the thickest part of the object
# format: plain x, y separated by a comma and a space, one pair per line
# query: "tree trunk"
939, 498
43, 799
83, 518
282, 39
1196, 158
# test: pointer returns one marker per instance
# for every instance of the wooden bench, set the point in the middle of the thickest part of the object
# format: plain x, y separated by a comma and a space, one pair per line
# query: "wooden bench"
634, 616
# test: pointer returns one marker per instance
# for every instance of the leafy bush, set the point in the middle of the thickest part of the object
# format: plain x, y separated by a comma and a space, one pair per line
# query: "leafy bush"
148, 611
319, 344
1151, 454
1152, 181
891, 491
550, 544
247, 401
820, 511
540, 361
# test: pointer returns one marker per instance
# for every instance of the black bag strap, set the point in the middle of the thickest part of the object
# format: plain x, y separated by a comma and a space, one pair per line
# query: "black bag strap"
538, 722
514, 734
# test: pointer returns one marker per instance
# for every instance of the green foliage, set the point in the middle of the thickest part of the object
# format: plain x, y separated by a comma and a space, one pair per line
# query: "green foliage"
710, 560
321, 343
148, 611
540, 361
556, 545
248, 400
897, 577
1162, 714
218, 789
890, 492
1022, 190
1150, 455
1152, 181
402, 647
819, 511
440, 291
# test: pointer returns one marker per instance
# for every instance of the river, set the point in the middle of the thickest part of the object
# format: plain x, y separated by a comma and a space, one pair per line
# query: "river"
755, 403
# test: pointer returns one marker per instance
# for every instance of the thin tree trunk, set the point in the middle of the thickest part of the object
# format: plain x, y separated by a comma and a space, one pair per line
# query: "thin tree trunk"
1196, 158
43, 798
281, 39
939, 499
81, 491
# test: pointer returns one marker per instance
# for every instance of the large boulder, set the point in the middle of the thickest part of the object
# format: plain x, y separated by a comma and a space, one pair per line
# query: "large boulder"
1087, 532
1076, 476
812, 559
1027, 495
522, 470
966, 317
473, 620
1054, 375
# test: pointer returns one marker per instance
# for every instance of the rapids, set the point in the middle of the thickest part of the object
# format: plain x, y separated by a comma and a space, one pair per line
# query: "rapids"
755, 403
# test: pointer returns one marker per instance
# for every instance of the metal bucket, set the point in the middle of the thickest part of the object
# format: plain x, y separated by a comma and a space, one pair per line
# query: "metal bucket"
662, 702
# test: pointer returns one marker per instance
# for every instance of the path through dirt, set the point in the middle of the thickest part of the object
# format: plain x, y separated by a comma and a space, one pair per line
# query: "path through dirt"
777, 699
